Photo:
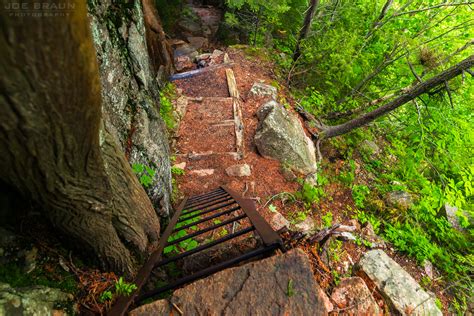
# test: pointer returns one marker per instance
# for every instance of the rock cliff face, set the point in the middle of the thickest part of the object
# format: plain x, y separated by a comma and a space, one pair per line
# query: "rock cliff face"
133, 59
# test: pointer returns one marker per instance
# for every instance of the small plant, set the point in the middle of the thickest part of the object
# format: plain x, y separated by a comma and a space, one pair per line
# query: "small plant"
145, 174
187, 244
121, 288
297, 217
177, 171
336, 277
312, 194
364, 217
223, 232
348, 177
290, 291
359, 194
105, 296
367, 243
124, 288
327, 219
425, 281
335, 250
272, 208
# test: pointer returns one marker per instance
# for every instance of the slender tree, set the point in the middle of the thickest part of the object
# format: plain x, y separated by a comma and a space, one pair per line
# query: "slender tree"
308, 19
54, 146
408, 95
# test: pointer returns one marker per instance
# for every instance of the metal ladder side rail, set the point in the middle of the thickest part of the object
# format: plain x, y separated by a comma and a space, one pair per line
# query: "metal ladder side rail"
271, 241
123, 303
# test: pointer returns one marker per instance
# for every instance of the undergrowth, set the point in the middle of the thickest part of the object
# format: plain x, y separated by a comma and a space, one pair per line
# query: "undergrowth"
167, 95
433, 179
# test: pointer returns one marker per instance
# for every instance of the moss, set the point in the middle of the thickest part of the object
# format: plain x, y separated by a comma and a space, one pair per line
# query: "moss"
14, 275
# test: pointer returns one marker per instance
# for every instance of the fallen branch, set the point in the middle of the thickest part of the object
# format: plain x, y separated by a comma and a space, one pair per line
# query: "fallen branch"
323, 234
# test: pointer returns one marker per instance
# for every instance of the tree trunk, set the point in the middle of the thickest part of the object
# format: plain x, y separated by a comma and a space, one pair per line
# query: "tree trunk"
308, 19
158, 47
382, 14
409, 95
54, 146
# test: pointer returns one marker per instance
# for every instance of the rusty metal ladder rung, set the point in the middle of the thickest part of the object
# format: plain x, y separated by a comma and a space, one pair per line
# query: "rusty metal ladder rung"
228, 202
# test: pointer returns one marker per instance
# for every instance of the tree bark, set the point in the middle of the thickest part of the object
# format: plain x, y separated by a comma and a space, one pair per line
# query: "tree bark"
407, 96
54, 146
158, 47
308, 19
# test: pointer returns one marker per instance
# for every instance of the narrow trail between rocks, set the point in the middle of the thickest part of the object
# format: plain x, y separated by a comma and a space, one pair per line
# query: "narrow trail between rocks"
214, 142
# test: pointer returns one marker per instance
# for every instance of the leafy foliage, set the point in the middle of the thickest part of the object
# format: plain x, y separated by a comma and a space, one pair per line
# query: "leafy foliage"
359, 194
167, 94
327, 219
145, 174
311, 194
124, 288
177, 171
187, 244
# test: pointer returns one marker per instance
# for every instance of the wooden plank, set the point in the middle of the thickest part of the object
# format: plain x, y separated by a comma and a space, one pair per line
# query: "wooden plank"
210, 99
224, 123
239, 125
239, 128
232, 84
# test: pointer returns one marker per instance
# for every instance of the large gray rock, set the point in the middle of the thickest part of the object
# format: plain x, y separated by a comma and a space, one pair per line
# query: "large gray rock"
199, 21
32, 301
197, 42
130, 92
280, 136
257, 288
402, 291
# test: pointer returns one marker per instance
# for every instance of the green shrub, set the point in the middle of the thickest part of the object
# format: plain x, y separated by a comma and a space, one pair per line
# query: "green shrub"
145, 174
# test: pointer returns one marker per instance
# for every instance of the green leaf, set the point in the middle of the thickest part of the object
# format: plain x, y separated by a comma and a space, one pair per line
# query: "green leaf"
138, 168
272, 208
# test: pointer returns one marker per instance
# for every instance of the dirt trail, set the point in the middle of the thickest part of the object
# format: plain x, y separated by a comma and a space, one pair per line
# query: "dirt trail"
207, 129
206, 140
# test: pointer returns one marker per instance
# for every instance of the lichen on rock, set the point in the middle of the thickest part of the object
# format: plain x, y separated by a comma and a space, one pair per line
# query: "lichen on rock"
130, 91
30, 301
